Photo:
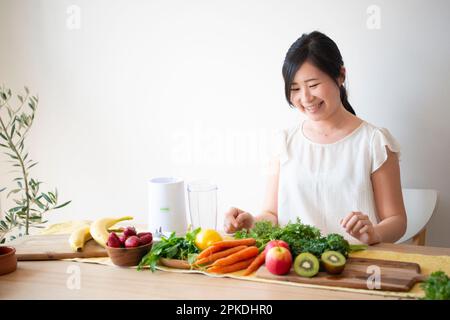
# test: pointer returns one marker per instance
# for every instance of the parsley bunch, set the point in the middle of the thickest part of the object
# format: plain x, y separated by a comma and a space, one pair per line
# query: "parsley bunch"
173, 247
437, 286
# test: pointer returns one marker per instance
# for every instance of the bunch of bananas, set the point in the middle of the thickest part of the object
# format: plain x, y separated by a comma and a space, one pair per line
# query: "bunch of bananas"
99, 230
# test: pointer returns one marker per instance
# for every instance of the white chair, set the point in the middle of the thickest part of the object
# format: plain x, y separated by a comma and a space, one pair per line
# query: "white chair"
420, 205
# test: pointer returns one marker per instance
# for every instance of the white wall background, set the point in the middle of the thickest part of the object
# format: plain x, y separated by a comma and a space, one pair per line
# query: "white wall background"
194, 89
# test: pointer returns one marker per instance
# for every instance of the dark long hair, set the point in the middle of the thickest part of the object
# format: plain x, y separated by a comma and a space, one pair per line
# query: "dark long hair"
322, 52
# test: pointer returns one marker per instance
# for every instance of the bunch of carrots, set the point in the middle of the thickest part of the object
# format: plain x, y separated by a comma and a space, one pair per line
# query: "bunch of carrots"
230, 256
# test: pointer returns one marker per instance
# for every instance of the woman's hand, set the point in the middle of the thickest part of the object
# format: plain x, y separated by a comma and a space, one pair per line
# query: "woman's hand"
360, 227
237, 219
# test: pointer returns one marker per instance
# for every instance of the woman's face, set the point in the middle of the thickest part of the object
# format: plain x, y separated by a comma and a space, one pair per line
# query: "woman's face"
315, 93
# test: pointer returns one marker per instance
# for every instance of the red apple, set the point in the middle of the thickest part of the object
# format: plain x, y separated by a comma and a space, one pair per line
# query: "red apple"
276, 243
278, 260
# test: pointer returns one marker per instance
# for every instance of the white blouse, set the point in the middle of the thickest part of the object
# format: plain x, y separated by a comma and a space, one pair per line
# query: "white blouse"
323, 183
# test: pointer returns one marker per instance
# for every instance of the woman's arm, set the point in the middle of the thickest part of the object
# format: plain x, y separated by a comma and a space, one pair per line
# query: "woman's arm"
388, 196
270, 205
389, 205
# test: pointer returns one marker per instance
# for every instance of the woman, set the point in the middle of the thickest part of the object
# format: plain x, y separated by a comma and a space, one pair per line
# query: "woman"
334, 170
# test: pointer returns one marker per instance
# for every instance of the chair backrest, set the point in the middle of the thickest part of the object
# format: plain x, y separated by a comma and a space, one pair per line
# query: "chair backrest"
420, 205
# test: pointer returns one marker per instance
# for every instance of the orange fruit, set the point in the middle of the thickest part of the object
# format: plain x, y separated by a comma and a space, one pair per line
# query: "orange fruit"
206, 238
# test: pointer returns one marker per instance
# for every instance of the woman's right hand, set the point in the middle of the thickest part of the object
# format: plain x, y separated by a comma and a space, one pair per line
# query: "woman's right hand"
237, 219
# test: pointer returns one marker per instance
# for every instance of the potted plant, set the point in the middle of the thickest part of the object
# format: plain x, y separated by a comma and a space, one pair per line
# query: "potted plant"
30, 204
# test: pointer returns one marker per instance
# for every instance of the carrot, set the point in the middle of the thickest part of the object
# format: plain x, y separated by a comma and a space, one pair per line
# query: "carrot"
232, 267
247, 253
258, 262
220, 245
235, 242
208, 251
221, 254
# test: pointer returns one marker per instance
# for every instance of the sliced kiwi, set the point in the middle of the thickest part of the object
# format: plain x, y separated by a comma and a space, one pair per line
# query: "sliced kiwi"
333, 262
306, 265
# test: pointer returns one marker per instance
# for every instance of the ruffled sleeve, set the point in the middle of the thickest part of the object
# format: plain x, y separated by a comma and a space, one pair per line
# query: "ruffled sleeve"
382, 138
279, 146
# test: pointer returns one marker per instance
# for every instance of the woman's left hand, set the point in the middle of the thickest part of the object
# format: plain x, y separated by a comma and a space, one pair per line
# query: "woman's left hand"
358, 225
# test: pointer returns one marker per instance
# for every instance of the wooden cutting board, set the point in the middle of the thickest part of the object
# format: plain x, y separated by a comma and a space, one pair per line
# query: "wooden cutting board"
53, 247
394, 275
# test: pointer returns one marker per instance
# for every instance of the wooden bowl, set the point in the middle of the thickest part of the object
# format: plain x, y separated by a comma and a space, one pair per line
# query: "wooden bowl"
128, 257
8, 260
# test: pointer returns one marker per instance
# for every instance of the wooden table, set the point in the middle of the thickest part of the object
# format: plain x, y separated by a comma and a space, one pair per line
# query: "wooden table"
49, 280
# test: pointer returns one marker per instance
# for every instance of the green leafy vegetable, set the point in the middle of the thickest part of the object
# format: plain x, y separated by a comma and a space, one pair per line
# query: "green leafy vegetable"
300, 237
262, 232
173, 247
437, 286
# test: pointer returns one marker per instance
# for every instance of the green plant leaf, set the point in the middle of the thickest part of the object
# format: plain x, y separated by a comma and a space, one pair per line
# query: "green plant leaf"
12, 156
63, 205
32, 165
3, 224
13, 191
51, 195
39, 203
13, 128
15, 209
47, 198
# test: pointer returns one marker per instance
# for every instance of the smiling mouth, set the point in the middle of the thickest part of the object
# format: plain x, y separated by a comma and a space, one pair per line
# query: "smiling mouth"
314, 107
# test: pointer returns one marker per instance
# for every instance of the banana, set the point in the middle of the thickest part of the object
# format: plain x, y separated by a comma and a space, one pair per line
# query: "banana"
66, 227
79, 237
99, 228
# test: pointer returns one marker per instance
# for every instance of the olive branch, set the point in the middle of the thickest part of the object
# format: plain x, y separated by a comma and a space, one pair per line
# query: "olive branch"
31, 204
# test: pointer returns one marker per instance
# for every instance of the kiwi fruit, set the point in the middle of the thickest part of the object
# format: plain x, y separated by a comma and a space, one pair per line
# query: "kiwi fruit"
306, 265
333, 262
